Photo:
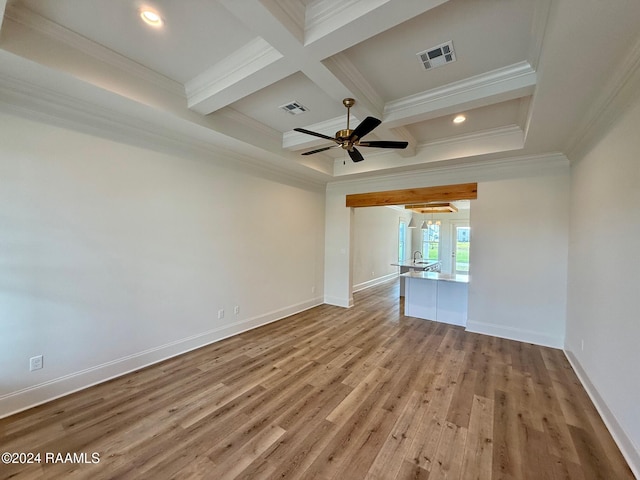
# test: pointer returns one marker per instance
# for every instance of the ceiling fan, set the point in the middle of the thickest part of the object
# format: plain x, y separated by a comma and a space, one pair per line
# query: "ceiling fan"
350, 139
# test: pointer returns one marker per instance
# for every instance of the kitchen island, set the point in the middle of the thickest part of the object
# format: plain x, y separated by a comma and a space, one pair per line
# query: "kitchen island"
436, 296
419, 265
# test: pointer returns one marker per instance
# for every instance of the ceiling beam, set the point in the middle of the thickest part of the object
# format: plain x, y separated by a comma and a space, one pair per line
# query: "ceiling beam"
444, 193
502, 84
325, 34
3, 5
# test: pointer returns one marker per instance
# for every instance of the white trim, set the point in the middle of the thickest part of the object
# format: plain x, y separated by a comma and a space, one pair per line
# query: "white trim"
3, 6
339, 301
620, 92
476, 171
57, 32
29, 397
629, 450
251, 59
141, 127
506, 83
376, 281
511, 333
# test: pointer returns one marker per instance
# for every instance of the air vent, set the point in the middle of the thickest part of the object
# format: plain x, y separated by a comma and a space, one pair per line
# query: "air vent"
294, 108
437, 56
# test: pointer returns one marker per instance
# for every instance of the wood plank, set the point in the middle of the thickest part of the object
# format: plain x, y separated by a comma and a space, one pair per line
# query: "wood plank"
478, 454
443, 193
332, 394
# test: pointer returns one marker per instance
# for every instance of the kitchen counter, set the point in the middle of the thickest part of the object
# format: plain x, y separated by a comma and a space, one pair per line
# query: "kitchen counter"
421, 265
445, 277
409, 266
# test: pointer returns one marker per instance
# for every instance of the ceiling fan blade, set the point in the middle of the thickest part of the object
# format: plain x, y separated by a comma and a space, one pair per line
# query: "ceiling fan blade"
366, 126
318, 150
355, 155
315, 134
384, 144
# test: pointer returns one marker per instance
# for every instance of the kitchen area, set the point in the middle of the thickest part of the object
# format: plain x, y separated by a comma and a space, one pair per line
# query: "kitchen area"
434, 281
427, 247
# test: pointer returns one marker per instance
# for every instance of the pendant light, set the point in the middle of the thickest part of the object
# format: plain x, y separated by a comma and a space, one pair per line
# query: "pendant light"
431, 222
412, 223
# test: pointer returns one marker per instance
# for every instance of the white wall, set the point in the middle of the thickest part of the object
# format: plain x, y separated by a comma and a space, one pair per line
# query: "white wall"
375, 244
603, 320
112, 256
519, 241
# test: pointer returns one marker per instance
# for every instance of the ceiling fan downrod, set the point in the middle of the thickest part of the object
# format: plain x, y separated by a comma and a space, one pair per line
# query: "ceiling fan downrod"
346, 133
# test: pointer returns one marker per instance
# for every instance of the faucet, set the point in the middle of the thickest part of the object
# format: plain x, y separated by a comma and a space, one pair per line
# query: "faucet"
417, 252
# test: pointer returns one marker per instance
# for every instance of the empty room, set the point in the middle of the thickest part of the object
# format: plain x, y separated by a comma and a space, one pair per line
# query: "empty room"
319, 239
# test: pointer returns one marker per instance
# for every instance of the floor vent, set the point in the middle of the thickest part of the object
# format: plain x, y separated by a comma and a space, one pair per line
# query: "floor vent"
294, 108
437, 56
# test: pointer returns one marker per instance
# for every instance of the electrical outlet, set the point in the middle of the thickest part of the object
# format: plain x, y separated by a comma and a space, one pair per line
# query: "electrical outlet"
313, 289
35, 363
221, 314
582, 345
236, 309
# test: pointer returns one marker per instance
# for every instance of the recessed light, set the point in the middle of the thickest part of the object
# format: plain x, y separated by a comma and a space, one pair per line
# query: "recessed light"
459, 119
151, 17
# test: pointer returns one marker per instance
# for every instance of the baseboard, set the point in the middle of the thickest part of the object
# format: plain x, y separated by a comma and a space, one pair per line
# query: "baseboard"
629, 450
512, 333
29, 397
339, 301
376, 281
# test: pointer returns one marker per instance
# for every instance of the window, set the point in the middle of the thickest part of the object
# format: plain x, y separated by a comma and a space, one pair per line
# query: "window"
431, 242
402, 240
461, 248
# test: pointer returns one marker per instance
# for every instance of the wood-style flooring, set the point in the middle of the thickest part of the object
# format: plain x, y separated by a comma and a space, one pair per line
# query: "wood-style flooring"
331, 393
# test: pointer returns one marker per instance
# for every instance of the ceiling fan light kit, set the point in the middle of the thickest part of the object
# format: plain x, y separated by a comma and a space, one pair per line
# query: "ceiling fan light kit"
349, 139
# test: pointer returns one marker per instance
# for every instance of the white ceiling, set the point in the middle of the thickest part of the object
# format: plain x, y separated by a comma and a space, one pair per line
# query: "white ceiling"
529, 74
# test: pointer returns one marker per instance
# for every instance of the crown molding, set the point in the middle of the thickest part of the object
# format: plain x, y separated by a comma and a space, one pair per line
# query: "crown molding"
319, 12
290, 13
248, 60
3, 6
82, 44
541, 15
164, 133
249, 123
475, 170
502, 84
620, 92
492, 141
368, 98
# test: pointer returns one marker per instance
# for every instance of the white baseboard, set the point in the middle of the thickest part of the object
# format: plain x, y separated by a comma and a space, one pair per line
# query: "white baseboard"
512, 333
376, 281
29, 397
629, 450
339, 301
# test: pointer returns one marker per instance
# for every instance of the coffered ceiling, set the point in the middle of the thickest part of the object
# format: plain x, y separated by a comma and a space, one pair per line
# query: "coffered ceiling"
528, 75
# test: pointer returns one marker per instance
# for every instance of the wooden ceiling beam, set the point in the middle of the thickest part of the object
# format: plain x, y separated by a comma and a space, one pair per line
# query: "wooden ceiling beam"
443, 193
432, 208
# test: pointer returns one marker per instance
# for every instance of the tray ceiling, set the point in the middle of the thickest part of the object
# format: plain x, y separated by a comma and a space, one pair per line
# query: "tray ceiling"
218, 71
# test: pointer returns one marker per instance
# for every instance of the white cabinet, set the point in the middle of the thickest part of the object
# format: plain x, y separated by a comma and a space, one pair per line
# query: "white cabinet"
436, 296
452, 302
420, 298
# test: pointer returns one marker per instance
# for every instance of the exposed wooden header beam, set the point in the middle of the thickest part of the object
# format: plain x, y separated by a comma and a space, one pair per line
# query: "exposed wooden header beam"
443, 193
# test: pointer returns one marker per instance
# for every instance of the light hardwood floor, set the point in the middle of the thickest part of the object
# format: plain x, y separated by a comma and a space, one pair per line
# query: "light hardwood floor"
332, 393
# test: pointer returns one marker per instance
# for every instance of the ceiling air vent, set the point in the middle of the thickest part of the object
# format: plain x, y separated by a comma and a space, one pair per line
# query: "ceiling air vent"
437, 56
294, 108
